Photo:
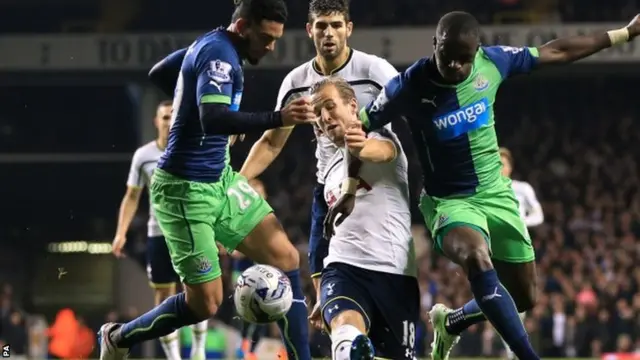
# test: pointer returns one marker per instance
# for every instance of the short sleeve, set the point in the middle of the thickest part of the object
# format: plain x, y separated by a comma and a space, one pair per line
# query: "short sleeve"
214, 65
512, 60
285, 92
135, 178
381, 71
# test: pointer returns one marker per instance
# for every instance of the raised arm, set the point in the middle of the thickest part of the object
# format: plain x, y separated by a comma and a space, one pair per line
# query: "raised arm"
268, 147
569, 49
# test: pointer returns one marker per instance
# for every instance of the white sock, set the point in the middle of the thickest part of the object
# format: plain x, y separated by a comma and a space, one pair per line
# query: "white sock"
171, 345
199, 339
341, 339
510, 354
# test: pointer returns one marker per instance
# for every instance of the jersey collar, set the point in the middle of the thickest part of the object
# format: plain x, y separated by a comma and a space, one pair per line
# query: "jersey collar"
316, 68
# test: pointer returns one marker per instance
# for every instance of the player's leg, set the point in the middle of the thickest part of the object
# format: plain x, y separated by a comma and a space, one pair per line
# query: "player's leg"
396, 318
249, 225
163, 280
513, 253
185, 211
510, 355
461, 233
345, 306
198, 345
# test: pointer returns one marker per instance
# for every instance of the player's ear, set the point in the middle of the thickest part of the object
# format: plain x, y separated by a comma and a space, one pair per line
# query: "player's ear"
242, 25
354, 106
434, 42
349, 28
308, 27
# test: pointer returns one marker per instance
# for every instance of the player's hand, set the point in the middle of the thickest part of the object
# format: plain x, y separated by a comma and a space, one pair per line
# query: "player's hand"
634, 27
316, 317
118, 245
299, 111
338, 213
355, 138
234, 138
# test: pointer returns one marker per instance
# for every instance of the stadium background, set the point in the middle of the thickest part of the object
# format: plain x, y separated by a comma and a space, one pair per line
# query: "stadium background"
75, 104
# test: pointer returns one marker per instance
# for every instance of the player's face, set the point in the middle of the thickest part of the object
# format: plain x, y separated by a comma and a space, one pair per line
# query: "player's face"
163, 120
506, 166
334, 113
454, 56
330, 34
261, 38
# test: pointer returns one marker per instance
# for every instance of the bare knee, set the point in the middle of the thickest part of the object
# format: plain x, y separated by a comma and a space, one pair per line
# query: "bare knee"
269, 244
288, 259
468, 248
204, 299
349, 317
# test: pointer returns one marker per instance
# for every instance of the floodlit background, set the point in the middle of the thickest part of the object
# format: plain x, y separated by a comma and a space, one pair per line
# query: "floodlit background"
75, 104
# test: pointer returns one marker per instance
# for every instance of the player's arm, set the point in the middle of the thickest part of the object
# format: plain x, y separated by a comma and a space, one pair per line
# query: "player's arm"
268, 147
164, 74
569, 49
131, 199
534, 215
215, 92
376, 147
390, 103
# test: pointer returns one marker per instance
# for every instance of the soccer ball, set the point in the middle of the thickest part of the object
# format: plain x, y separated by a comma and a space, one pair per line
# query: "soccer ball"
263, 294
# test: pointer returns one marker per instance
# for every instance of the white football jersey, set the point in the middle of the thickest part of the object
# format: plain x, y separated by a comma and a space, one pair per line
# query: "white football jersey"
144, 162
377, 234
530, 208
366, 73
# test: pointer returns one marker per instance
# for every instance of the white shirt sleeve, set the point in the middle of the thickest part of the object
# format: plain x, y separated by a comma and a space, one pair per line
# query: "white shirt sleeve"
381, 71
534, 215
284, 94
136, 177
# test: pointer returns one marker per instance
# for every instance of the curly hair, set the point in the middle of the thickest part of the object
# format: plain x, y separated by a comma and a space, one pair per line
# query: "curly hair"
328, 7
257, 10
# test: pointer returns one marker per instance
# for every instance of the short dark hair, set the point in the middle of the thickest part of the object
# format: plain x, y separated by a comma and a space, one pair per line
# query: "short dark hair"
458, 23
255, 11
328, 7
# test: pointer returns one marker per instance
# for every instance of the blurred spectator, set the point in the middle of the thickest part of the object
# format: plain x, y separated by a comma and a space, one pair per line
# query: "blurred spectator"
63, 335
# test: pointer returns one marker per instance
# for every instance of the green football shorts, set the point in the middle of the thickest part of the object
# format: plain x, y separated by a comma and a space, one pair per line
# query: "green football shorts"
494, 212
194, 216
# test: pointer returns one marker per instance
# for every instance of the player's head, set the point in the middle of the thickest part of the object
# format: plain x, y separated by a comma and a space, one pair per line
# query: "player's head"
162, 121
259, 187
455, 45
260, 23
336, 106
329, 26
507, 161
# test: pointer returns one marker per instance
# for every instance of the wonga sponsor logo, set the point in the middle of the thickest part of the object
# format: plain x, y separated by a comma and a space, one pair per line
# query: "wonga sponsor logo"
463, 120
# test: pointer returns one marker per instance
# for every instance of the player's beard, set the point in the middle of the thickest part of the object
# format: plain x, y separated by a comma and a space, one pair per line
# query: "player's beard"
332, 55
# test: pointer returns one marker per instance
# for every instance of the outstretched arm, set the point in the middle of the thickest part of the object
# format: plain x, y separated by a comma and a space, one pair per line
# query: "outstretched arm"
570, 49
